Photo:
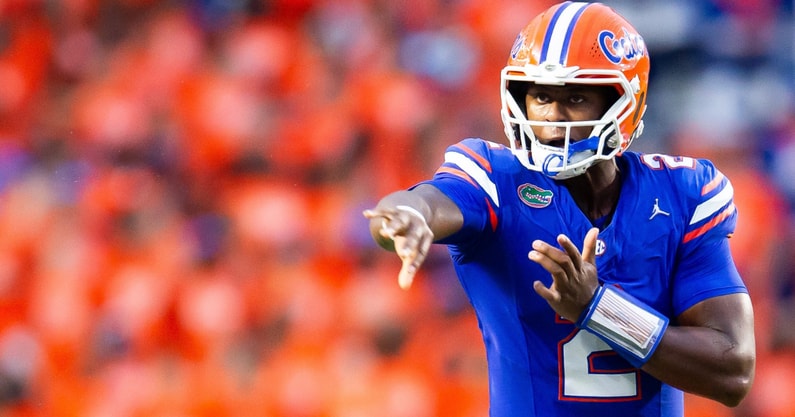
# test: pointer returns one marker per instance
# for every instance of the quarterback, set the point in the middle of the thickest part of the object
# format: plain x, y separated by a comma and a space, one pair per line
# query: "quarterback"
601, 277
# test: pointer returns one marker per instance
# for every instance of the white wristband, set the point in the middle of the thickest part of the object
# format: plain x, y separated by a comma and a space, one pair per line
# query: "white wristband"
413, 211
629, 326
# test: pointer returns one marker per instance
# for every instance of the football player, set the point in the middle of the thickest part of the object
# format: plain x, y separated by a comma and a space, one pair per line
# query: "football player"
601, 278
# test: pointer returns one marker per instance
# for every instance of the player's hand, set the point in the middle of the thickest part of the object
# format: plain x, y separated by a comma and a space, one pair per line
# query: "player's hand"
411, 235
574, 277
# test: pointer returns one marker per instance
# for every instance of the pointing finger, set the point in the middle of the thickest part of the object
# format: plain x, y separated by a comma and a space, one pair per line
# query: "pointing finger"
406, 274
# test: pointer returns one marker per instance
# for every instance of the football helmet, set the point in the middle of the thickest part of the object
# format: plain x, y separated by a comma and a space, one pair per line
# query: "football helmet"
576, 43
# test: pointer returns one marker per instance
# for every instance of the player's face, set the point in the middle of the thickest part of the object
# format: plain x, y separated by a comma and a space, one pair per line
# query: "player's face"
569, 103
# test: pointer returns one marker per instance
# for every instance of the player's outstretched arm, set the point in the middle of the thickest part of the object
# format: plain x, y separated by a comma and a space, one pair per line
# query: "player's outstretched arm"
407, 222
710, 351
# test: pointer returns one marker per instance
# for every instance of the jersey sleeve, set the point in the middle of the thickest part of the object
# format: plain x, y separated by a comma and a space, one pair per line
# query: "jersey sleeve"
705, 267
467, 177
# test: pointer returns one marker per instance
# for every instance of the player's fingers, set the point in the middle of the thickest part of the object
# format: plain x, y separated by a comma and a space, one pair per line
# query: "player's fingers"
555, 261
371, 213
406, 275
392, 224
411, 235
574, 256
559, 275
412, 259
423, 246
589, 246
376, 213
412, 249
408, 269
546, 293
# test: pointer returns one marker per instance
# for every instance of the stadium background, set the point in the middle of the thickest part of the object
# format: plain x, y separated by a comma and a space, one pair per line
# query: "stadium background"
181, 187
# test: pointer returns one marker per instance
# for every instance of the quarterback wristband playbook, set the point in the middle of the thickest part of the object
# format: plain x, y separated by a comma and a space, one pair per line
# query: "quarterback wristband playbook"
632, 328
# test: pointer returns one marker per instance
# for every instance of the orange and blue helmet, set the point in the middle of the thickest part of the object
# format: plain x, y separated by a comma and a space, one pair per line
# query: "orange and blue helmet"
576, 43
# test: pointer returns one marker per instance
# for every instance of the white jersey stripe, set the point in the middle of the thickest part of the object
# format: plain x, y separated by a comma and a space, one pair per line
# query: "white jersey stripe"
561, 32
713, 205
476, 172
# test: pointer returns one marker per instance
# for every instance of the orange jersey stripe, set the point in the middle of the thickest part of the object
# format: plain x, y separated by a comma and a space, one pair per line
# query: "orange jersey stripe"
458, 173
705, 228
712, 184
474, 155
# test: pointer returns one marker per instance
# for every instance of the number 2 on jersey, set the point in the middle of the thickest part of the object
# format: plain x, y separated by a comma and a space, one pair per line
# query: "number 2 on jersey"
582, 379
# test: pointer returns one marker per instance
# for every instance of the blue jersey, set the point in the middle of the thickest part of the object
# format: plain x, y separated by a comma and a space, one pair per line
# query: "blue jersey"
666, 245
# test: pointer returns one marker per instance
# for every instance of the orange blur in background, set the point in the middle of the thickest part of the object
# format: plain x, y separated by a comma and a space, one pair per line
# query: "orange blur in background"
181, 187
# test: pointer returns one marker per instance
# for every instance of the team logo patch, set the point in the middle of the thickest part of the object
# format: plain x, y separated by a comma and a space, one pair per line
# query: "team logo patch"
534, 196
601, 247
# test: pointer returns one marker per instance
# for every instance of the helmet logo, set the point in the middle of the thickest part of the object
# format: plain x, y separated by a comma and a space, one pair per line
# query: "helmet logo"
629, 46
534, 196
517, 45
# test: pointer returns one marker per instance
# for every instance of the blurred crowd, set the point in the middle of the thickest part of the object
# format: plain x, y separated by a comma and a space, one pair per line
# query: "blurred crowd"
181, 188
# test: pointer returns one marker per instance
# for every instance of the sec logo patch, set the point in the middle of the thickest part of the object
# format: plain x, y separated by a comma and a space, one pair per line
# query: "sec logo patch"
601, 247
